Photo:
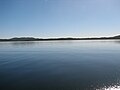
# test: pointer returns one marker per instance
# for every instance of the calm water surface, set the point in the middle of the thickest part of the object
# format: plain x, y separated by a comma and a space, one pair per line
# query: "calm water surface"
60, 65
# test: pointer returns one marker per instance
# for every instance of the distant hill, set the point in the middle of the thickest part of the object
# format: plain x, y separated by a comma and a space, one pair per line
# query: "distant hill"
117, 37
49, 39
23, 39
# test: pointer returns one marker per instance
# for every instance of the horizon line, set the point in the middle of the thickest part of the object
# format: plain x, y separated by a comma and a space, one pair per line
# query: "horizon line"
61, 37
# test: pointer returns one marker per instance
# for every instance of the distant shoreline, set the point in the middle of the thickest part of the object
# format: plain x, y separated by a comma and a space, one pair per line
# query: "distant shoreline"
54, 39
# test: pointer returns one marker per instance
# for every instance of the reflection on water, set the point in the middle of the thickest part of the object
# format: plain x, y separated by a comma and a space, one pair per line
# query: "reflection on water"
60, 65
23, 43
117, 41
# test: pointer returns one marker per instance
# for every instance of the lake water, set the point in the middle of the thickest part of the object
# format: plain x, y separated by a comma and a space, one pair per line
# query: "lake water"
60, 65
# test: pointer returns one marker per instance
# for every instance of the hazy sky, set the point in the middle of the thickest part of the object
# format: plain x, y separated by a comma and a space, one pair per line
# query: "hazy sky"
59, 18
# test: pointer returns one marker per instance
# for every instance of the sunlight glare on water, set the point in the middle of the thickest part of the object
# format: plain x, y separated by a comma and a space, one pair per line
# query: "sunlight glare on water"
110, 88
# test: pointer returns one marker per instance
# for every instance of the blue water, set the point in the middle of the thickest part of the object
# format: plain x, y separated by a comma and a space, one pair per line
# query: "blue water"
60, 65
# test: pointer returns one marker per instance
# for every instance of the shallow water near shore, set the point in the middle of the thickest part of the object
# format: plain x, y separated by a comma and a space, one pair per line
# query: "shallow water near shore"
60, 65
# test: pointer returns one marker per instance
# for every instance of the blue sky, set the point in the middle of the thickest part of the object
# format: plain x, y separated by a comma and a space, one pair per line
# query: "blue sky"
59, 18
